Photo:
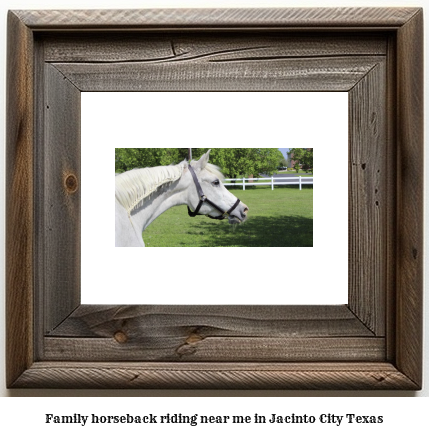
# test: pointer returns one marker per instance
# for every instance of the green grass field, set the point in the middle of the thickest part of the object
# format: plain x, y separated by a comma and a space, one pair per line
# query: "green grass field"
279, 218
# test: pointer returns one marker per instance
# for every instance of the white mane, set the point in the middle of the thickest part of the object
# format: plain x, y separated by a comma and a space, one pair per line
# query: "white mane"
132, 187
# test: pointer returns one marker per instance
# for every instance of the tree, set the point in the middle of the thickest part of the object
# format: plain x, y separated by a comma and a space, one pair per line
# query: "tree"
234, 162
268, 160
301, 158
241, 162
283, 162
129, 158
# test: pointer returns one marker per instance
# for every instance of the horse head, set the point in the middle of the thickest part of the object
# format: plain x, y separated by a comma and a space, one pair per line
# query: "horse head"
208, 196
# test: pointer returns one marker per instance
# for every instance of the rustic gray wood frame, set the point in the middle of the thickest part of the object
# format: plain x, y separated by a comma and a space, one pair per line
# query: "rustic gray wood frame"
374, 342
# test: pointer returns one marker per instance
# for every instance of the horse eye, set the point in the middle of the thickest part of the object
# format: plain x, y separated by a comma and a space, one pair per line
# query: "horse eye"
216, 183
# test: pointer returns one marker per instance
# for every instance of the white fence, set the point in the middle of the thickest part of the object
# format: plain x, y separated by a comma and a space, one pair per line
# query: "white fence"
272, 181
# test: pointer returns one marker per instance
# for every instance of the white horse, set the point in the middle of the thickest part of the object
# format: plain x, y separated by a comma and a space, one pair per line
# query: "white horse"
142, 195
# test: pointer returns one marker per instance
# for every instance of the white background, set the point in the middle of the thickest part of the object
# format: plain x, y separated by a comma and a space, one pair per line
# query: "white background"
27, 414
255, 275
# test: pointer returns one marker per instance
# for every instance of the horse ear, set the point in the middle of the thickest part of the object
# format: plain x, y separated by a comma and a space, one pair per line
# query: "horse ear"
204, 159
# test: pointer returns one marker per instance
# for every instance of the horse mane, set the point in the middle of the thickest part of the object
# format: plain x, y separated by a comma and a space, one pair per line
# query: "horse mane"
133, 186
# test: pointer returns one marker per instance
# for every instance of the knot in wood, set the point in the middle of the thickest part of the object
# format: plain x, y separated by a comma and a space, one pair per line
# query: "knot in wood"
71, 183
193, 338
120, 337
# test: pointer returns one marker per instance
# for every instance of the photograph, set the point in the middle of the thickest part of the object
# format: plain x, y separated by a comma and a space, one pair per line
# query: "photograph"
275, 206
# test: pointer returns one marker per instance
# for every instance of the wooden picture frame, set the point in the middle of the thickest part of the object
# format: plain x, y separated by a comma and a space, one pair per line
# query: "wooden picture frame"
373, 342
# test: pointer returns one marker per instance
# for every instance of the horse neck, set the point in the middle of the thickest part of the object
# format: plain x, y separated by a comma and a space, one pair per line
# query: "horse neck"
159, 201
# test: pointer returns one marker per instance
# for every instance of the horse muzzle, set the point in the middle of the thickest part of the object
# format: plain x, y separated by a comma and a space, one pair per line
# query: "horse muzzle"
239, 215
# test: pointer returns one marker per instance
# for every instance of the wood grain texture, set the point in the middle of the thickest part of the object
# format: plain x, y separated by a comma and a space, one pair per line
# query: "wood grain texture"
61, 186
368, 201
391, 192
208, 18
331, 74
409, 264
98, 321
155, 348
213, 333
248, 376
173, 46
19, 200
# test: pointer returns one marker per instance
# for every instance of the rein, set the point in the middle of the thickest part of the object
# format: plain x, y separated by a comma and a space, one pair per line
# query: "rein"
204, 199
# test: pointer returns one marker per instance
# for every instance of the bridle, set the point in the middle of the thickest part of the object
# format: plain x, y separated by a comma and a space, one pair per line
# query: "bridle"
204, 199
